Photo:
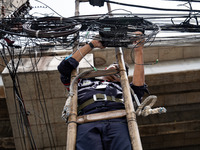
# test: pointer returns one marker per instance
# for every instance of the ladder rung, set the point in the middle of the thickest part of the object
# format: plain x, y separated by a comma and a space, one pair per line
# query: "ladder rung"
100, 73
101, 116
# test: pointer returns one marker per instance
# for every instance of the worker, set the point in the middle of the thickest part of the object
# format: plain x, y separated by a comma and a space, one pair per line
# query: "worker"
101, 95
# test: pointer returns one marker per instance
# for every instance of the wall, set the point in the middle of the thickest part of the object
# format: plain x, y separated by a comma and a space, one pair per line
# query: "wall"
175, 80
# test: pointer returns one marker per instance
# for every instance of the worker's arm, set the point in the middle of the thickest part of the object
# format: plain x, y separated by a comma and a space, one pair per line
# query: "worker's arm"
79, 54
138, 81
138, 74
69, 63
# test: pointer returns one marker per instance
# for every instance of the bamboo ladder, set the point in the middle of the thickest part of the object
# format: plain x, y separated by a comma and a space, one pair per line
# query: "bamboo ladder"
129, 111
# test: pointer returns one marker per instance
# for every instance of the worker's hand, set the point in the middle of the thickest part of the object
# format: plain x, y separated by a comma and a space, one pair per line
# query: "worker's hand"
140, 40
97, 44
139, 43
115, 77
113, 66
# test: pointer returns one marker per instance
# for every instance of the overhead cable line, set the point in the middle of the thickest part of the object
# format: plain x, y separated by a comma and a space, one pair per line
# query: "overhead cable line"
44, 108
49, 7
154, 8
12, 67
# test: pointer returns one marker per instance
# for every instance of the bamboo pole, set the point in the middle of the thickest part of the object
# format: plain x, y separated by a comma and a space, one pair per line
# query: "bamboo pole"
77, 2
130, 111
71, 124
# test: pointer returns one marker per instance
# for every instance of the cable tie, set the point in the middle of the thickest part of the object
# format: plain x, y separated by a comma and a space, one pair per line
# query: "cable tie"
37, 33
72, 122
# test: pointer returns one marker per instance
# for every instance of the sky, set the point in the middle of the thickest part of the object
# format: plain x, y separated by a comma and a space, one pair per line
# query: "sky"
66, 8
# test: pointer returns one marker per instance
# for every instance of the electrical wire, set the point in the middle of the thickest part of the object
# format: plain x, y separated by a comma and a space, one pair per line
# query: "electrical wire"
49, 7
139, 43
12, 68
54, 33
44, 108
153, 8
41, 28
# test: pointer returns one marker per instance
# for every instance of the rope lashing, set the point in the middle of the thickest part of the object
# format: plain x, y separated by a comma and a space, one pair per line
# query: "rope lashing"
147, 110
67, 107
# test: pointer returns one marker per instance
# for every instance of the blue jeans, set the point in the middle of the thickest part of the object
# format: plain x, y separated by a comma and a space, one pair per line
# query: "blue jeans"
104, 135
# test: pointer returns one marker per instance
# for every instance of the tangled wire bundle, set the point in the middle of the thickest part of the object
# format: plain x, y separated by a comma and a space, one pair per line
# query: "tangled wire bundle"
50, 27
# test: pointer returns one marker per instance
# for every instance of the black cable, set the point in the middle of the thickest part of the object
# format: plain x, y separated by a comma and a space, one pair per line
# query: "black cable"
13, 33
36, 63
184, 0
44, 109
30, 94
114, 23
23, 115
42, 27
71, 40
141, 41
154, 8
19, 96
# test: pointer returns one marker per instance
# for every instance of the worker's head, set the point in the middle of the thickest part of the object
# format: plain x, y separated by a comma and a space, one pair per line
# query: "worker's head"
115, 77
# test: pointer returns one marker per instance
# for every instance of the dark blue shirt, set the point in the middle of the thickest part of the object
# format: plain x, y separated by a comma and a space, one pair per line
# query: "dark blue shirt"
88, 87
